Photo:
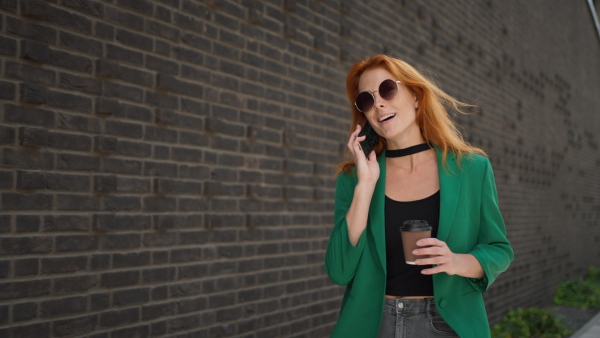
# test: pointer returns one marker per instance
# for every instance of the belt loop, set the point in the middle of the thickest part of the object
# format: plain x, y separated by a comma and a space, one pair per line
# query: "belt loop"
428, 309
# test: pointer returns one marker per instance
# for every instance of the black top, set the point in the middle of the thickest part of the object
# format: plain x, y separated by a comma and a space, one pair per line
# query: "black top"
403, 279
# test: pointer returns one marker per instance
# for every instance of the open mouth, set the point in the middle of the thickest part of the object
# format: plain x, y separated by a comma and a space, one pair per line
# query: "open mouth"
387, 117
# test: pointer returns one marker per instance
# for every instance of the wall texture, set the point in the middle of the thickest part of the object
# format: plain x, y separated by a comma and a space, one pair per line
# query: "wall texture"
166, 165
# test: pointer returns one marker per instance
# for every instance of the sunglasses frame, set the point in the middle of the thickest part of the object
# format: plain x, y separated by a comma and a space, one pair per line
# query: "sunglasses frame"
373, 96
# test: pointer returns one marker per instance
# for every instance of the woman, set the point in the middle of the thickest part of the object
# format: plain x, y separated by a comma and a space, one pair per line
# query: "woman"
420, 168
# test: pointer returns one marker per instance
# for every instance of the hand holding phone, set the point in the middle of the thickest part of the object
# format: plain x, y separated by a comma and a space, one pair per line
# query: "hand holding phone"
371, 139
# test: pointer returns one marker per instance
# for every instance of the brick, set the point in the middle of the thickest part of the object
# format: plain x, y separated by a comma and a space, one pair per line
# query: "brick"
35, 9
27, 223
159, 239
63, 306
67, 182
134, 149
122, 91
107, 68
74, 243
186, 154
41, 33
158, 275
66, 223
68, 101
29, 73
35, 51
5, 226
160, 134
34, 94
104, 30
63, 264
119, 317
159, 204
75, 202
69, 141
30, 330
99, 301
33, 201
70, 61
100, 262
158, 310
71, 20
155, 28
134, 40
130, 296
85, 45
126, 129
75, 326
160, 169
26, 267
26, 115
137, 331
9, 5
162, 100
119, 279
90, 7
120, 241
27, 158
24, 311
130, 259
75, 122
121, 166
6, 179
34, 137
78, 83
124, 54
75, 284
24, 289
77, 162
122, 203
30, 180
7, 89
125, 18
170, 83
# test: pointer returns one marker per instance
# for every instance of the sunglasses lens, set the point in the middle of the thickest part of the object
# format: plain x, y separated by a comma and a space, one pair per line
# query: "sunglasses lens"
364, 102
388, 89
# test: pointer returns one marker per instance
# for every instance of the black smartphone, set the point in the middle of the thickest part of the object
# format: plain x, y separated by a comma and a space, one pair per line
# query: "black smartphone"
370, 141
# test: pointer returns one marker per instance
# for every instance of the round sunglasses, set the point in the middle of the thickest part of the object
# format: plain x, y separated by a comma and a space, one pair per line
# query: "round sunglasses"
366, 100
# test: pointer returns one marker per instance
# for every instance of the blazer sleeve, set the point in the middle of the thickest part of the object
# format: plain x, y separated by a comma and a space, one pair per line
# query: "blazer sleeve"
493, 250
342, 258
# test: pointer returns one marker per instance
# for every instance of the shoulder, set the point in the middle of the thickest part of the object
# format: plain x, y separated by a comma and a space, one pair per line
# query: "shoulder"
474, 162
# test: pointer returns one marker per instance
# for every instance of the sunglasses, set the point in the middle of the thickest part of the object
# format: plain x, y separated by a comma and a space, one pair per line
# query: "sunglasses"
366, 100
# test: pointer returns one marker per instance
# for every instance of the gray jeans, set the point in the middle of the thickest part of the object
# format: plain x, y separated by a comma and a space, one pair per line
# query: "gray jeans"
407, 318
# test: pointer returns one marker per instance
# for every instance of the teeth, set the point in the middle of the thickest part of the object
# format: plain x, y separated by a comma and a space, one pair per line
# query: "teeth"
386, 117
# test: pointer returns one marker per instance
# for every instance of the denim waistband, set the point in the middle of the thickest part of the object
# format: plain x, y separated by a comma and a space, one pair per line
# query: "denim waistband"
409, 306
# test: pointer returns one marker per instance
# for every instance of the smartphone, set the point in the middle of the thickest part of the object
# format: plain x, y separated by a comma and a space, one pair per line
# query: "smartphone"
370, 141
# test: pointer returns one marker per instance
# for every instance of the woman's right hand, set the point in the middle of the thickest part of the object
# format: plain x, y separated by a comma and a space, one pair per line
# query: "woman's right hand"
367, 169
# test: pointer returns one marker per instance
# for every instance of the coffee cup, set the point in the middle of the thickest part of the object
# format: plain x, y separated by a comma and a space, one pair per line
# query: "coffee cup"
412, 231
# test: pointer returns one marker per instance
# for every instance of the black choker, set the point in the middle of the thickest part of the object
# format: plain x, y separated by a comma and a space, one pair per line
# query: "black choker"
408, 151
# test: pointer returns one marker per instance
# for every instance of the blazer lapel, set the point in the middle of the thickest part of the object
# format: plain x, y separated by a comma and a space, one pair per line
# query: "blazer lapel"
377, 212
450, 182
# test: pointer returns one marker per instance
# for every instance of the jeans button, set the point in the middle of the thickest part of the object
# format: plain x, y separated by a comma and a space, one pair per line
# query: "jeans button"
400, 305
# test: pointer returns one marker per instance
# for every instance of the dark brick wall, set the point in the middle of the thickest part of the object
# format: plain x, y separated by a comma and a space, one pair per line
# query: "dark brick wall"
166, 165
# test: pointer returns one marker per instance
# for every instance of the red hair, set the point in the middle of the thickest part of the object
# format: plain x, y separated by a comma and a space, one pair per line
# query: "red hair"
432, 117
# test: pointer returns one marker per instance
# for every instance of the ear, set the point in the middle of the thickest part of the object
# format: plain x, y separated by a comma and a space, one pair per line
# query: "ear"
416, 101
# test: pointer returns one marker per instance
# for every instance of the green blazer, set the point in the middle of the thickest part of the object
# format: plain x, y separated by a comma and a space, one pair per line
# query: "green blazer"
470, 222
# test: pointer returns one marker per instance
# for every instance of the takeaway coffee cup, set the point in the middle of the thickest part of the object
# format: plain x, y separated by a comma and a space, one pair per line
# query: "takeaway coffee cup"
412, 231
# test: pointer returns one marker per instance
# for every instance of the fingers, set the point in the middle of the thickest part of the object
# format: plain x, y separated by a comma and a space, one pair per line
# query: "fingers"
430, 242
354, 143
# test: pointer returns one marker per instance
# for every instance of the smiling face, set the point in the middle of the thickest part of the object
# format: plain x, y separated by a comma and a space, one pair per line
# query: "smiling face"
394, 120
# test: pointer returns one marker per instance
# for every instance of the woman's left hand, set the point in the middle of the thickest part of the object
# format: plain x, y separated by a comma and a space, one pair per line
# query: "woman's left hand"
465, 265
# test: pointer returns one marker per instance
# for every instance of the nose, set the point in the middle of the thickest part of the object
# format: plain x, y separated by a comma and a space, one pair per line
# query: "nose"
379, 101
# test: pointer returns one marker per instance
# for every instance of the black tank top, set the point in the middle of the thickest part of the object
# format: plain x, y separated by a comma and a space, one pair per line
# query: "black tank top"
403, 279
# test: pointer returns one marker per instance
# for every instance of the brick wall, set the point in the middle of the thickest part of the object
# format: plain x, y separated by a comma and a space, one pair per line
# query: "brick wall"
166, 165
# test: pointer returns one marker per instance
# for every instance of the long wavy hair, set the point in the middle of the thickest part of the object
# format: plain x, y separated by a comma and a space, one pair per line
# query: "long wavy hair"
432, 115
